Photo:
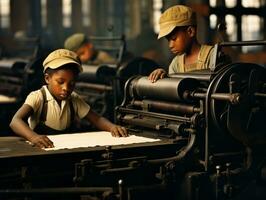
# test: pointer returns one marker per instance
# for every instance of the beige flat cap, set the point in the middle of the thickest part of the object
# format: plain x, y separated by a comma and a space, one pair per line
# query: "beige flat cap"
61, 57
175, 16
75, 41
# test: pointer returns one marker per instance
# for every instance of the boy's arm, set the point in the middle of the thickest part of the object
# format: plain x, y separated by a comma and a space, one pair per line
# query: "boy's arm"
104, 124
21, 128
162, 73
157, 74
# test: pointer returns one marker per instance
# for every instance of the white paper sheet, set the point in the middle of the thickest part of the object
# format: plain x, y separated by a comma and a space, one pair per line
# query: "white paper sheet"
92, 139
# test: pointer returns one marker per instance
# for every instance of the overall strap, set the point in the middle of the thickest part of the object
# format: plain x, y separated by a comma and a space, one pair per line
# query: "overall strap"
72, 111
43, 115
181, 66
204, 53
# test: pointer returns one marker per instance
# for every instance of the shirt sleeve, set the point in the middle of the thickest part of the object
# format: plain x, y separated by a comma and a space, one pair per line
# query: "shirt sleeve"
34, 100
208, 59
173, 67
80, 106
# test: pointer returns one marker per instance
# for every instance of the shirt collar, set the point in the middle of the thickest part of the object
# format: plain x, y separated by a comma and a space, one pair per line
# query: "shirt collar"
49, 96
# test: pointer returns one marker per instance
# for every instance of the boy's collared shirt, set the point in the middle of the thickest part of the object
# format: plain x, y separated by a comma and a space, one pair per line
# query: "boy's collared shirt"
58, 117
101, 57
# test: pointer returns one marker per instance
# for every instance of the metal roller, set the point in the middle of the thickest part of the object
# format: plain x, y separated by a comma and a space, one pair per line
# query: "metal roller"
97, 73
170, 89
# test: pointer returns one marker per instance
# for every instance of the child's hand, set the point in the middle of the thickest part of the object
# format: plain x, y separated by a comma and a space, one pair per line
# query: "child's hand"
157, 74
41, 141
118, 131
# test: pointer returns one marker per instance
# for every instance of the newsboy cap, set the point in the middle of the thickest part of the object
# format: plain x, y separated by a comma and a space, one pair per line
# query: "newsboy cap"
61, 57
175, 16
75, 41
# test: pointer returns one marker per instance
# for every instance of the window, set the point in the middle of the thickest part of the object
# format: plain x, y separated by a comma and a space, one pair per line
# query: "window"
5, 13
230, 3
244, 19
111, 13
157, 11
251, 26
66, 12
252, 3
44, 13
213, 21
86, 7
231, 27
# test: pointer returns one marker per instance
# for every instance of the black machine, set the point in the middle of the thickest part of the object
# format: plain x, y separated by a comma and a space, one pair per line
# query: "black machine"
18, 77
102, 85
212, 144
219, 114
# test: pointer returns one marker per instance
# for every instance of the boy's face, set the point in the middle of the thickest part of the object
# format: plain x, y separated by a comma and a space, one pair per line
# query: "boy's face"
61, 83
85, 52
180, 38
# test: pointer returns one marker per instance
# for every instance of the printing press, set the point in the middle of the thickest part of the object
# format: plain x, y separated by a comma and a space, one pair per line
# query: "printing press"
210, 126
19, 75
102, 84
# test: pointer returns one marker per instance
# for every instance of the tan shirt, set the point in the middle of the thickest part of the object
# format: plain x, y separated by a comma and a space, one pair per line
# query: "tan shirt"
178, 63
102, 57
58, 118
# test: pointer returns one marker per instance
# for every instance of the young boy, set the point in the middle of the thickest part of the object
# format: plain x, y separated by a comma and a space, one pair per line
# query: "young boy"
53, 108
86, 51
178, 25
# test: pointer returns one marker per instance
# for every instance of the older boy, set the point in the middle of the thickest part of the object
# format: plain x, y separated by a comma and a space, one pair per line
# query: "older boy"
178, 25
53, 108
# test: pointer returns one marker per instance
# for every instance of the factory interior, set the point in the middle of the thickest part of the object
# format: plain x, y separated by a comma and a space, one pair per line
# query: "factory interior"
192, 135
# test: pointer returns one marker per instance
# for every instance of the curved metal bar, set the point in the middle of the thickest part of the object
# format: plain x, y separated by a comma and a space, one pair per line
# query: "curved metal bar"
180, 156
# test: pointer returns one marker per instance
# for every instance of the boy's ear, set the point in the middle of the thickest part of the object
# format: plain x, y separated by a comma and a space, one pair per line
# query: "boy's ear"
191, 30
46, 78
